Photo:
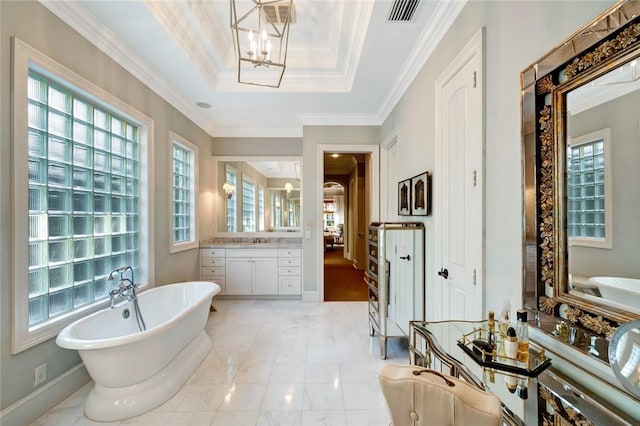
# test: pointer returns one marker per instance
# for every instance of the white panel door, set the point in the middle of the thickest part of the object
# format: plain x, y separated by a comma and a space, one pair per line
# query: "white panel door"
265, 276
403, 279
239, 276
459, 149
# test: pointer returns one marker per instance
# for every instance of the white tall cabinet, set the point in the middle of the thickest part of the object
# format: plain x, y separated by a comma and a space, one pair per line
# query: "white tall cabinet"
395, 278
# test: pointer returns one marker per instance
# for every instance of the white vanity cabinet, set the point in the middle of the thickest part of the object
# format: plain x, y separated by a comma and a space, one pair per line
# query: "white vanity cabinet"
251, 272
290, 271
212, 266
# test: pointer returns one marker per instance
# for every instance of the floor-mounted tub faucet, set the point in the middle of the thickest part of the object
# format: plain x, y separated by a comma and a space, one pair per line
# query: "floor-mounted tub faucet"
126, 289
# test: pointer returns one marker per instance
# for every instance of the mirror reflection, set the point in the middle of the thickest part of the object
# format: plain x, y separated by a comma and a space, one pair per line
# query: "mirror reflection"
284, 208
602, 195
259, 195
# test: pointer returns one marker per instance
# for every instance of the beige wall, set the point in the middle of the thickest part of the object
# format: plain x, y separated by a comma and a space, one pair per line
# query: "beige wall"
312, 188
36, 26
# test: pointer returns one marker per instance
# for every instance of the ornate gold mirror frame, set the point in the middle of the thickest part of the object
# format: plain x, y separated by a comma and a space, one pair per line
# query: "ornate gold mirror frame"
611, 39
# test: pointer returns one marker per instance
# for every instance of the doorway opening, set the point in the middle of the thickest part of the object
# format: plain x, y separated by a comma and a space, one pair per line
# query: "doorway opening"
344, 224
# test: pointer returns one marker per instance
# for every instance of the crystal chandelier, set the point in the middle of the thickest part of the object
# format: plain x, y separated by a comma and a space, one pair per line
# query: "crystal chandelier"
260, 39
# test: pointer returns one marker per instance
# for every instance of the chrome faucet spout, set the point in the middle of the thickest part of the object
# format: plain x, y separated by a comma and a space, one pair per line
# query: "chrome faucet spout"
126, 286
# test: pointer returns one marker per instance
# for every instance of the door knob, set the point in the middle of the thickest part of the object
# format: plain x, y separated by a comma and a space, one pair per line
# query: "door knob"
407, 257
444, 273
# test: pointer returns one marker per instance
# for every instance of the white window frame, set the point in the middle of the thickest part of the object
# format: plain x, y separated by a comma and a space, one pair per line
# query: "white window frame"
607, 241
25, 58
261, 208
253, 182
175, 247
233, 199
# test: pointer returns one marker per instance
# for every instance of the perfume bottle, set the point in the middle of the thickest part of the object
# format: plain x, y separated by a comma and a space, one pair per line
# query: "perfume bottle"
491, 325
511, 343
522, 333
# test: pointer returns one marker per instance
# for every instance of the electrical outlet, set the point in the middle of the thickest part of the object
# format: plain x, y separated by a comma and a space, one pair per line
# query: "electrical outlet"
40, 374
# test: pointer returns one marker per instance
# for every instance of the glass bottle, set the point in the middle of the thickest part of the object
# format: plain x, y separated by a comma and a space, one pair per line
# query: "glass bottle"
491, 325
522, 334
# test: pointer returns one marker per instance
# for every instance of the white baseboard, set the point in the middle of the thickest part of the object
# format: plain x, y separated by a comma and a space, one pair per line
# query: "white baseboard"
33, 406
310, 296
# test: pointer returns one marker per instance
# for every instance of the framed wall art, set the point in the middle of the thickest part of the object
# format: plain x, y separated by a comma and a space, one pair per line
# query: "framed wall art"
404, 197
421, 194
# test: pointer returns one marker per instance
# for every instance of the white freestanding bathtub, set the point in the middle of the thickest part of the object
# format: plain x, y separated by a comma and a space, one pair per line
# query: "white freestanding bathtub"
625, 291
135, 371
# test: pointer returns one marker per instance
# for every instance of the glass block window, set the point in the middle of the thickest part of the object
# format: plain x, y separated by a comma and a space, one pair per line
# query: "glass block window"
261, 208
588, 191
231, 202
183, 194
83, 198
248, 205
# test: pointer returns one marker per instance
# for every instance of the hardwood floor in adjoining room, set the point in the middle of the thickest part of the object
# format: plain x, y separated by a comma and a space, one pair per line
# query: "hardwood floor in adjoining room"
342, 282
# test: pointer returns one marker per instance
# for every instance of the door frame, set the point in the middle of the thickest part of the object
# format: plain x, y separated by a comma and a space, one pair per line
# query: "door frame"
373, 188
475, 47
386, 186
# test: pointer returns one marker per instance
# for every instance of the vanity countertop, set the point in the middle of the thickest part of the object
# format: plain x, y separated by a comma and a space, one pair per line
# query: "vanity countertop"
251, 245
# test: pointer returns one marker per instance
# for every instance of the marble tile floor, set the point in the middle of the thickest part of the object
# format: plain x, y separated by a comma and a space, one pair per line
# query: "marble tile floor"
274, 362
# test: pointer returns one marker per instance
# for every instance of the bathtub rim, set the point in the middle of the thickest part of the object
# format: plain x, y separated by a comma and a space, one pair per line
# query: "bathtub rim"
65, 340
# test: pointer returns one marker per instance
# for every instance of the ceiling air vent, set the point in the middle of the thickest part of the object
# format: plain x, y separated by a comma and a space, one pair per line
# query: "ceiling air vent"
403, 10
276, 13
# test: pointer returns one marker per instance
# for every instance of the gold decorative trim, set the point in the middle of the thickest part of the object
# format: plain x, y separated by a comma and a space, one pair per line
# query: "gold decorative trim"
577, 418
598, 324
603, 51
594, 323
548, 304
546, 197
573, 314
574, 417
549, 398
545, 85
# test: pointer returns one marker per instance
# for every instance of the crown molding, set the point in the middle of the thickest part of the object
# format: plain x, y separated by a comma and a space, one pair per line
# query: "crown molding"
339, 119
80, 20
182, 26
442, 18
439, 23
356, 42
257, 132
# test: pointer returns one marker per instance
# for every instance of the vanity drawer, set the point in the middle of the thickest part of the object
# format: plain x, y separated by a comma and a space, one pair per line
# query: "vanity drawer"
252, 252
208, 271
290, 252
211, 261
289, 285
212, 253
294, 270
289, 261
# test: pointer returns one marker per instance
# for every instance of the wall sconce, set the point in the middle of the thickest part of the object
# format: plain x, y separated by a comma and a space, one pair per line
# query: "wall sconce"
288, 187
228, 189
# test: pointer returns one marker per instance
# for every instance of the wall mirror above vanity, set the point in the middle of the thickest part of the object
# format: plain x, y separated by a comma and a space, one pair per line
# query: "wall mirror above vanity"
258, 195
581, 144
